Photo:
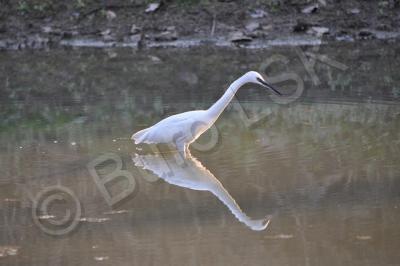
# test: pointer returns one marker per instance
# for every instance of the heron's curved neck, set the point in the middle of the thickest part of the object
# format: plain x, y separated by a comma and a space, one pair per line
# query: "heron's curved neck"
217, 108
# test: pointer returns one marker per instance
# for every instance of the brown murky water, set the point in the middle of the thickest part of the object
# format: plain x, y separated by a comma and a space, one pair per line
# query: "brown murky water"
324, 169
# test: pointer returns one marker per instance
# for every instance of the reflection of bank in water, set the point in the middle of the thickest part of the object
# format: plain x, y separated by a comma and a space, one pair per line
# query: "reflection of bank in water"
190, 173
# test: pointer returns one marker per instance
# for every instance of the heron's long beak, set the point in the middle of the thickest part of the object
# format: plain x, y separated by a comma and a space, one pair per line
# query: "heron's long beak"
266, 85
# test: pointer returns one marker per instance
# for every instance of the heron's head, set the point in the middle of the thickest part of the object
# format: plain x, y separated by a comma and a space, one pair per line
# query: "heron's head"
255, 77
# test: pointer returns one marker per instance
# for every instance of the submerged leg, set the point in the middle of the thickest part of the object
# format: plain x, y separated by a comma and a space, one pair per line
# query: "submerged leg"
182, 147
187, 151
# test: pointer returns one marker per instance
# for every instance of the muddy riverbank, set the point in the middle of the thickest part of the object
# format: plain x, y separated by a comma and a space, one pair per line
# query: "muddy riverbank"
45, 24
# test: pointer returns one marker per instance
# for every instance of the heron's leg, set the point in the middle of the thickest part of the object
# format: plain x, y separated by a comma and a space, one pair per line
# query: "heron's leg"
187, 151
181, 146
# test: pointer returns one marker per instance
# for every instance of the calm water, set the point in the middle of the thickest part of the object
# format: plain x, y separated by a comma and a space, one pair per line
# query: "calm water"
324, 169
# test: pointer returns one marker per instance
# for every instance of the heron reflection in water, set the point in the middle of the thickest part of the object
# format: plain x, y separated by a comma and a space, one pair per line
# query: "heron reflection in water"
187, 171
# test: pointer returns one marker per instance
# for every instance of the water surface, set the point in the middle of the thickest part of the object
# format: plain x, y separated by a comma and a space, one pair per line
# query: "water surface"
324, 168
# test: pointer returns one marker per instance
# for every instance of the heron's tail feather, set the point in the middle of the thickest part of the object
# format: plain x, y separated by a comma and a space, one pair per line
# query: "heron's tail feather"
140, 136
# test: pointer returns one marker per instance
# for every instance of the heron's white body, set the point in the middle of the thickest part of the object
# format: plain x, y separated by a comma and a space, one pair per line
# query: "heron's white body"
180, 129
183, 129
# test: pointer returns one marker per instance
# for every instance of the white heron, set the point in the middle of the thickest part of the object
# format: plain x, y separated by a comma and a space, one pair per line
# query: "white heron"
184, 128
